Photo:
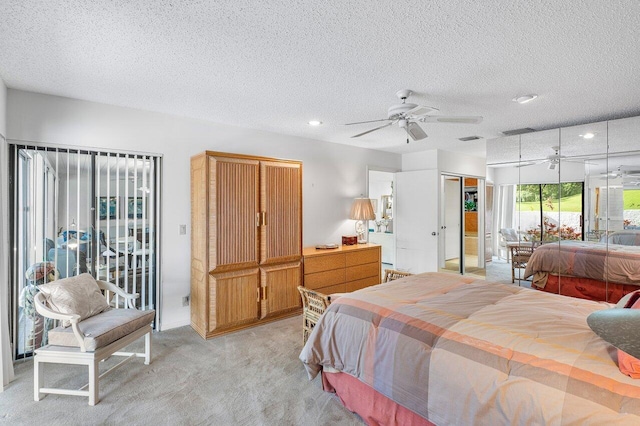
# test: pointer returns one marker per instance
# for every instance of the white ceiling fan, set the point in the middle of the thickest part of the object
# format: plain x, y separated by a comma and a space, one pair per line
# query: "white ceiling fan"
407, 115
623, 172
554, 159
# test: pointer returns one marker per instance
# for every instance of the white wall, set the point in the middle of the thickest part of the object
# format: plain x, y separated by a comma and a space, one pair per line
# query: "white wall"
332, 174
424, 160
445, 161
3, 108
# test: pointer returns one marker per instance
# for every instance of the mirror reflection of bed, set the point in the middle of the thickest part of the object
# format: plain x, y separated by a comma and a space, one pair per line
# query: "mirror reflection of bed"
574, 185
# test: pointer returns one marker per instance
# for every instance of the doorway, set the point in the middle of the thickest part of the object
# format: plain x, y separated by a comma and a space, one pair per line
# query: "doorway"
381, 230
77, 211
461, 242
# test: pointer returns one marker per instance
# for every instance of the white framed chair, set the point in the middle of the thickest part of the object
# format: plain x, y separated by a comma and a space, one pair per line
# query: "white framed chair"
88, 340
510, 235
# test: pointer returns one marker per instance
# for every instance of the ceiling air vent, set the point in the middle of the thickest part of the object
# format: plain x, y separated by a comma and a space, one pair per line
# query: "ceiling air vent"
518, 131
469, 138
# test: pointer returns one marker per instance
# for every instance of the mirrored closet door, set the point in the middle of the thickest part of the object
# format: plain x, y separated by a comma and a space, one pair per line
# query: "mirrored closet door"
569, 193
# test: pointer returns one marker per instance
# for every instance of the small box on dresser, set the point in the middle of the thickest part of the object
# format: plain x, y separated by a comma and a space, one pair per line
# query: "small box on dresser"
349, 240
345, 269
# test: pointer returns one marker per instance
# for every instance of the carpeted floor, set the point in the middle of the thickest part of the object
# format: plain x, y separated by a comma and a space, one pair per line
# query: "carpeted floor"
251, 377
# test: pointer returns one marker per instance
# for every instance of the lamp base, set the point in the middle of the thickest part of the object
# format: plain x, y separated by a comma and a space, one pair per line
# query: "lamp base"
361, 232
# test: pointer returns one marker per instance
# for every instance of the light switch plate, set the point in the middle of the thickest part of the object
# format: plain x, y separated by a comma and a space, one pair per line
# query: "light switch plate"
183, 229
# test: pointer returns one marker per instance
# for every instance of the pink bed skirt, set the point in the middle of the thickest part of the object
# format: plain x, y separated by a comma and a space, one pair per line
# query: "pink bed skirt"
586, 288
372, 406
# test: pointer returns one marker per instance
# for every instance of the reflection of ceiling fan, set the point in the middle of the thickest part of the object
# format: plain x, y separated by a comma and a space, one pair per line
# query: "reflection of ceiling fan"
407, 116
623, 172
553, 160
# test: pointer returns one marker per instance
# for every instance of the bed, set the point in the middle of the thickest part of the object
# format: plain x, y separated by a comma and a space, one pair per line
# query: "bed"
585, 269
628, 237
442, 349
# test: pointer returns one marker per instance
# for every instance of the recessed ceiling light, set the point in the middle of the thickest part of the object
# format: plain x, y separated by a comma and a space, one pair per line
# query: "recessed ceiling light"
524, 98
315, 123
588, 135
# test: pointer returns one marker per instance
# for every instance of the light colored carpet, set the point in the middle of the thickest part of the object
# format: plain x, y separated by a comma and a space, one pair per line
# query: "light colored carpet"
499, 270
251, 377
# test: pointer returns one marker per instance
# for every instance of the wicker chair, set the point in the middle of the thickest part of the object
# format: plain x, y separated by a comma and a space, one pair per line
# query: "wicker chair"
313, 306
520, 255
392, 274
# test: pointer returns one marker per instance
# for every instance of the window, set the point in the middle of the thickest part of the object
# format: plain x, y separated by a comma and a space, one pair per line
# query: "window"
558, 207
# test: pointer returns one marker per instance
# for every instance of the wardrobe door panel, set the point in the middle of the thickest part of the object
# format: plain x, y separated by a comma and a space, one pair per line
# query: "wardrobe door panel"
279, 292
234, 297
281, 204
233, 206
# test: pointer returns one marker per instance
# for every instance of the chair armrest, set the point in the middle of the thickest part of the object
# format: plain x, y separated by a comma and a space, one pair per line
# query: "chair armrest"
40, 303
129, 297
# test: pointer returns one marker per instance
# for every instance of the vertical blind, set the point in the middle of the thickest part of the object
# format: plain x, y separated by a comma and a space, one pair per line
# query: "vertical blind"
75, 211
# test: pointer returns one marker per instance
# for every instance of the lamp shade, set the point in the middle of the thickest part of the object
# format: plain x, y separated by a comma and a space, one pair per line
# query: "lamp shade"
361, 209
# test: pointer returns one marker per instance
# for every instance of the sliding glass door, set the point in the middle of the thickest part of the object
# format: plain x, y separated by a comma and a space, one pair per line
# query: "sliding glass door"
76, 211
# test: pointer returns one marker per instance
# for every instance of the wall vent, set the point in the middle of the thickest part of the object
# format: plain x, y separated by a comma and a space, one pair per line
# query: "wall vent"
518, 131
469, 138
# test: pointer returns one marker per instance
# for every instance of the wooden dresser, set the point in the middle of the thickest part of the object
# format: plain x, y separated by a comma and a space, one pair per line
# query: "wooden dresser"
342, 270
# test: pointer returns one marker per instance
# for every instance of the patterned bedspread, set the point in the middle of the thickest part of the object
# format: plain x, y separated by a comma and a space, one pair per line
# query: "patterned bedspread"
598, 261
462, 351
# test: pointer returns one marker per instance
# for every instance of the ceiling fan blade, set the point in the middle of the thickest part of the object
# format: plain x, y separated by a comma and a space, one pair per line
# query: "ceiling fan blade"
452, 119
362, 122
577, 160
530, 163
372, 130
415, 131
420, 111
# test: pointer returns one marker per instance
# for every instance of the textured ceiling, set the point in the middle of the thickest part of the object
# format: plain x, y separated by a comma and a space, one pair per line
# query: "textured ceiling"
275, 65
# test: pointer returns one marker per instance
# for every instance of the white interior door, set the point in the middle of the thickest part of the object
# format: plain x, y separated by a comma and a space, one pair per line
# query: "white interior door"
416, 221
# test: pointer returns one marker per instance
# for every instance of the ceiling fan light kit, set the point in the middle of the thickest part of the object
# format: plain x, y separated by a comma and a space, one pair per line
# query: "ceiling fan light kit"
407, 115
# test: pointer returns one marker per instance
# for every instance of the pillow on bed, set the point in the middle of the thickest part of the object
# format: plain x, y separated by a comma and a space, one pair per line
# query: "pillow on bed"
75, 295
629, 365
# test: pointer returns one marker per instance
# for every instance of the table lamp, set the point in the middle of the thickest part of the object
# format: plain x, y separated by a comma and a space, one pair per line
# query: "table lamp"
361, 210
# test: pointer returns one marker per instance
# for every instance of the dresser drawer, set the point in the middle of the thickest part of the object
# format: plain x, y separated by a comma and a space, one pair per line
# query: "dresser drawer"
362, 271
338, 288
361, 257
324, 279
323, 263
357, 285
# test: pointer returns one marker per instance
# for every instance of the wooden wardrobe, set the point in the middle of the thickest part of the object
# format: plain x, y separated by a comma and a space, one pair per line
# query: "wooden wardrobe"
246, 240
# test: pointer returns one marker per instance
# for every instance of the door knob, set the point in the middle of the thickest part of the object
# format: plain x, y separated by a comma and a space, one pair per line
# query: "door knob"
433, 233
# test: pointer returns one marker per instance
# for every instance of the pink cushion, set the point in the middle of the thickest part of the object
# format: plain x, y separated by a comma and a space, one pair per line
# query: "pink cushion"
626, 363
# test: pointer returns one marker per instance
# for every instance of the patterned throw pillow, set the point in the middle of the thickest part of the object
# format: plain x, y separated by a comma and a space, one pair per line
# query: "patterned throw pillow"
75, 295
626, 363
